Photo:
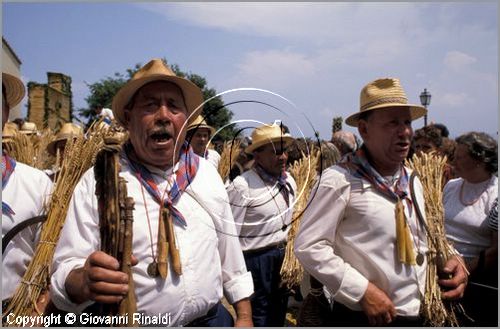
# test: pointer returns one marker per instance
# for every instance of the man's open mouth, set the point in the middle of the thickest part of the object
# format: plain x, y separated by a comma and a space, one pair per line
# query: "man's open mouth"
160, 136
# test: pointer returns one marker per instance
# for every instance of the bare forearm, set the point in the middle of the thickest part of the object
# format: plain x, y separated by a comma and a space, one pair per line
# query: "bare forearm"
243, 310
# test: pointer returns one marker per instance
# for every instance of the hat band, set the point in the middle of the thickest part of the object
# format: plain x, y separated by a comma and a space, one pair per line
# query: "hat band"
388, 100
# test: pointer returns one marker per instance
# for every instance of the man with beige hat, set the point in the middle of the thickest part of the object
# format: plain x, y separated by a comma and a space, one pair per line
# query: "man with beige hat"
262, 201
25, 192
171, 188
347, 238
198, 136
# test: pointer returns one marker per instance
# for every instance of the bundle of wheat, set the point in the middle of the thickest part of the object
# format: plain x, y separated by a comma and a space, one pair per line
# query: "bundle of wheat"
32, 150
429, 168
304, 173
79, 156
230, 152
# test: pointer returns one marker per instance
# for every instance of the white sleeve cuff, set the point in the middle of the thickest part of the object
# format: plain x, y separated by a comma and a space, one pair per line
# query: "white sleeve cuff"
352, 288
239, 288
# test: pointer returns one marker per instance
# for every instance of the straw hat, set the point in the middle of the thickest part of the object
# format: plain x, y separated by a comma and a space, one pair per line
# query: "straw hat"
156, 70
383, 93
14, 89
28, 128
67, 131
267, 134
200, 123
9, 130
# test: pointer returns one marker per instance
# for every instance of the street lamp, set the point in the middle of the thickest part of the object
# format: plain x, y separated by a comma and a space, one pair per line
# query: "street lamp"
425, 100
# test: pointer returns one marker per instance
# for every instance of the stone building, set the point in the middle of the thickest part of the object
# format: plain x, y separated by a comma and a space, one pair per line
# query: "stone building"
50, 105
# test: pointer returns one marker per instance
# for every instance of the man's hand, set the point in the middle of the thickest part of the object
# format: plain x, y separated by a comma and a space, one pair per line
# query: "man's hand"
377, 306
243, 310
456, 285
99, 280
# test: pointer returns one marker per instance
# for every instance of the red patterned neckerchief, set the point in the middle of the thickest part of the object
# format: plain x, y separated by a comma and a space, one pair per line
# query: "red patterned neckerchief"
8, 165
357, 164
188, 167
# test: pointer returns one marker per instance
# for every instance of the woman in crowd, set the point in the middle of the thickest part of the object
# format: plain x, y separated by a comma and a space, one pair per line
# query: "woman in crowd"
468, 201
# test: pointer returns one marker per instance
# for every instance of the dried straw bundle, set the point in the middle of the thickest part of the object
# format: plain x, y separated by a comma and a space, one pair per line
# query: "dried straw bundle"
231, 151
429, 168
304, 173
79, 156
31, 150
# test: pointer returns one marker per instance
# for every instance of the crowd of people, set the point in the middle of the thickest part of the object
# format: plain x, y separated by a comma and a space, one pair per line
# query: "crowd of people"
199, 239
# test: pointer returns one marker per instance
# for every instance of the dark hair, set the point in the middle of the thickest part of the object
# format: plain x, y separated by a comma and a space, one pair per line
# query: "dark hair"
481, 147
431, 133
444, 130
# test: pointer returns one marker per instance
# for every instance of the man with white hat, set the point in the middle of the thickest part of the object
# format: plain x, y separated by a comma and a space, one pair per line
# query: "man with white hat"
198, 136
347, 237
25, 192
262, 200
163, 177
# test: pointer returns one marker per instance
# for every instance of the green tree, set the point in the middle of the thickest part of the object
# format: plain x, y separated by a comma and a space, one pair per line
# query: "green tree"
214, 112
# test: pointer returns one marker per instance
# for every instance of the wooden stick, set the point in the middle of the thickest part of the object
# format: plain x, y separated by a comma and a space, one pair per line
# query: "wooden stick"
174, 251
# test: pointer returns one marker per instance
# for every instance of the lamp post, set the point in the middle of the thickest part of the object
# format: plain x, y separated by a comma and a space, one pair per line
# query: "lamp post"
425, 100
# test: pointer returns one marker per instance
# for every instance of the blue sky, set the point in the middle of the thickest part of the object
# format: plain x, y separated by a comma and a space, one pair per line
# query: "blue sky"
316, 56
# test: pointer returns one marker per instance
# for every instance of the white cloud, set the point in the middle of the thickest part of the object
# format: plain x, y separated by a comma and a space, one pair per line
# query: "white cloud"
457, 60
274, 69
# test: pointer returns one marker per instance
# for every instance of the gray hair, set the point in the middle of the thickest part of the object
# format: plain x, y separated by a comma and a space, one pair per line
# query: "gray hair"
481, 147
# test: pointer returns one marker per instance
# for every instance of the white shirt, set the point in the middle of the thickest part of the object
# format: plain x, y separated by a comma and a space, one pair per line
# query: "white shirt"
260, 211
213, 157
211, 258
347, 237
27, 192
467, 226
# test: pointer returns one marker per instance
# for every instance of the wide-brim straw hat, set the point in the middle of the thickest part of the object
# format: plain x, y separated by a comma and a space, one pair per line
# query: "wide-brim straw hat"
67, 131
268, 134
28, 128
9, 131
14, 89
200, 123
156, 70
383, 93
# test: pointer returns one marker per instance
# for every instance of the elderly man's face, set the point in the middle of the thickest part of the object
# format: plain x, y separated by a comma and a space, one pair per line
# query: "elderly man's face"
155, 121
272, 158
387, 134
199, 140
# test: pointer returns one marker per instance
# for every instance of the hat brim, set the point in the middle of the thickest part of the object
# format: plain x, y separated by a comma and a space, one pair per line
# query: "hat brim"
14, 88
193, 97
272, 140
202, 126
51, 147
416, 112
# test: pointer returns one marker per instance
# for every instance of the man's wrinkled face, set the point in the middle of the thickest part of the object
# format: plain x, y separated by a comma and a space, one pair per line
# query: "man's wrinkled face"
154, 123
387, 134
272, 158
199, 140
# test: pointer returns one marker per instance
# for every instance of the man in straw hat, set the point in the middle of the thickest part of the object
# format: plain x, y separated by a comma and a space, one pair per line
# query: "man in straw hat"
347, 238
262, 201
25, 191
198, 136
56, 147
164, 177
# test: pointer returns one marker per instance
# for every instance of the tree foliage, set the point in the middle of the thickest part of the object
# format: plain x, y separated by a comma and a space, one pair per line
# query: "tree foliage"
214, 111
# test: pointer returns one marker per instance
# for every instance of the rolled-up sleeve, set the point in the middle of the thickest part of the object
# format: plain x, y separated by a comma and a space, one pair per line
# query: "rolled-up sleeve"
316, 238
